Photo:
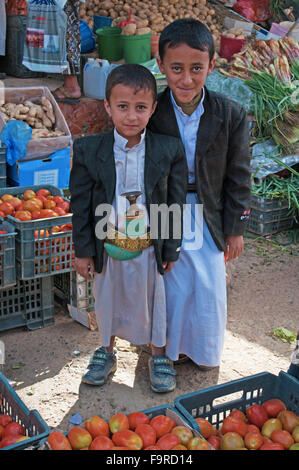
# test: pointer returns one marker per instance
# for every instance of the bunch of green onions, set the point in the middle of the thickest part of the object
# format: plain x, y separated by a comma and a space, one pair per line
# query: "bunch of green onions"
276, 108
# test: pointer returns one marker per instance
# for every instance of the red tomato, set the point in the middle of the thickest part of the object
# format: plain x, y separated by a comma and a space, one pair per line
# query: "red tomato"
65, 205
7, 208
282, 437
271, 446
28, 194
43, 192
5, 419
273, 407
253, 428
23, 215
256, 415
58, 199
253, 440
137, 417
2, 214
238, 414
13, 429
215, 441
60, 211
231, 424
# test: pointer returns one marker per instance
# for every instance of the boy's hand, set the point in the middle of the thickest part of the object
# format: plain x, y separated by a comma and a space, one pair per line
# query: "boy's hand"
167, 265
84, 267
234, 246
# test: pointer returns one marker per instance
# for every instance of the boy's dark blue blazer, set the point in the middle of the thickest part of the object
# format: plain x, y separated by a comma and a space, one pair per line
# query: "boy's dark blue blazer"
222, 161
93, 179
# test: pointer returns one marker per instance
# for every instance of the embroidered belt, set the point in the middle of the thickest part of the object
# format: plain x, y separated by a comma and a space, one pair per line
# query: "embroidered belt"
114, 237
192, 188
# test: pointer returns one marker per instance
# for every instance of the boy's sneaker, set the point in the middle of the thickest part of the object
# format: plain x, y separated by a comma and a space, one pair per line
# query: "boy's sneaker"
162, 374
100, 366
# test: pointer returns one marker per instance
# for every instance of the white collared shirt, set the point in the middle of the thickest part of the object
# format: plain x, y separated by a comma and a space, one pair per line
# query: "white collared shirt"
188, 126
129, 165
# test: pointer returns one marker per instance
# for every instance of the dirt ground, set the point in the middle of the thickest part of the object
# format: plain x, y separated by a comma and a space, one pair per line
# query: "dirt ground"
47, 364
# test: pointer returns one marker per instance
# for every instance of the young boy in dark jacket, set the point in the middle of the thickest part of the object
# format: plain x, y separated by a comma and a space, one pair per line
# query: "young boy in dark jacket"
128, 284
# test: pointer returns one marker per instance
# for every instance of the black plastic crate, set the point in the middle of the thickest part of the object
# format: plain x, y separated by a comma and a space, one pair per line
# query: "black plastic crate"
29, 303
7, 255
41, 250
36, 429
216, 403
258, 225
267, 204
2, 165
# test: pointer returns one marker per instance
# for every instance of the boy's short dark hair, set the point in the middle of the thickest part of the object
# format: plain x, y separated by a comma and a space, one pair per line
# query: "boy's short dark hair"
187, 31
132, 75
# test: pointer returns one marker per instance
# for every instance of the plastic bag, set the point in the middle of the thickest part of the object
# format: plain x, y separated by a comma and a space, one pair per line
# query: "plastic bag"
16, 135
256, 11
45, 45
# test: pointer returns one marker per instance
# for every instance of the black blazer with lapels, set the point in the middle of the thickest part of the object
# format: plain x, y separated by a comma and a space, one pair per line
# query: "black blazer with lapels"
222, 162
93, 180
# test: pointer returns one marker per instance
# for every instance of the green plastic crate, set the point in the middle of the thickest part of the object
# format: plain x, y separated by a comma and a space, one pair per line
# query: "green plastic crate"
7, 255
216, 403
29, 303
40, 251
35, 427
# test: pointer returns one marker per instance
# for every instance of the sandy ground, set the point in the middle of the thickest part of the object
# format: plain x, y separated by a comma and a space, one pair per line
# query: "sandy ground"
47, 364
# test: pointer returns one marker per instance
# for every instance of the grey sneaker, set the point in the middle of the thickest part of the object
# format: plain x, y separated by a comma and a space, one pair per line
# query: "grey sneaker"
100, 366
162, 374
181, 360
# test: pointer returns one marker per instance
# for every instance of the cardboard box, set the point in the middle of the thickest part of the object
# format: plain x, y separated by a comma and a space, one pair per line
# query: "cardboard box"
37, 148
54, 169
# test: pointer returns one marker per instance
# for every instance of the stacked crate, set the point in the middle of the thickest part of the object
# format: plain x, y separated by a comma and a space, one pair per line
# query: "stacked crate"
269, 216
40, 251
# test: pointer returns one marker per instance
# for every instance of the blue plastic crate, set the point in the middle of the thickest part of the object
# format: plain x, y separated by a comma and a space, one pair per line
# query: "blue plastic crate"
216, 403
11, 404
40, 250
29, 304
2, 165
165, 410
7, 255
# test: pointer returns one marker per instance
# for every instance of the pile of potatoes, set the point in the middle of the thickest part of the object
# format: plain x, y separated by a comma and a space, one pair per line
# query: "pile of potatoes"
151, 14
40, 117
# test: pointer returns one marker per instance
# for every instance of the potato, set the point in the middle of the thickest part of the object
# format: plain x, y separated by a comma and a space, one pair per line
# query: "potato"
143, 31
143, 23
129, 29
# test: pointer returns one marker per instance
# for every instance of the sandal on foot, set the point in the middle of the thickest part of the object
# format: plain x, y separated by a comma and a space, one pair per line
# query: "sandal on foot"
162, 374
101, 365
68, 97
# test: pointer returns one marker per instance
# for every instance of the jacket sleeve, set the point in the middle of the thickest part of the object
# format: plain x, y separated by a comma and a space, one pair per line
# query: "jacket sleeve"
81, 187
177, 190
237, 182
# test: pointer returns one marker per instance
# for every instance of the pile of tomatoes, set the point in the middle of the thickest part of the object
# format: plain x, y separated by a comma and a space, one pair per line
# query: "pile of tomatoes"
135, 431
11, 432
33, 205
269, 426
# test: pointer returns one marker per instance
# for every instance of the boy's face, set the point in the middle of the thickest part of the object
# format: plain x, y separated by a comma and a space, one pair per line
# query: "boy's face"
186, 70
130, 111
